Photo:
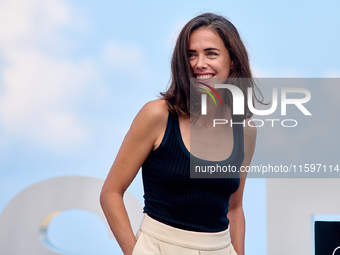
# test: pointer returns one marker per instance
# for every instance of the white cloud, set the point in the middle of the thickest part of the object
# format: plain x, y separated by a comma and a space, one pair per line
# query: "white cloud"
40, 88
332, 74
32, 22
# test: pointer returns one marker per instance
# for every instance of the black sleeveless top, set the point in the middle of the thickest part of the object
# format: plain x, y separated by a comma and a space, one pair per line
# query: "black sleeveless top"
173, 198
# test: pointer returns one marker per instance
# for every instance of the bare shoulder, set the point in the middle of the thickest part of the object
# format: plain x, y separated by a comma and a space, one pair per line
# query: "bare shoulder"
156, 108
151, 121
154, 113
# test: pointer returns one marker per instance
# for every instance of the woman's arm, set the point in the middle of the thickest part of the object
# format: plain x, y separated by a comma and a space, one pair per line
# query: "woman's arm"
145, 133
235, 213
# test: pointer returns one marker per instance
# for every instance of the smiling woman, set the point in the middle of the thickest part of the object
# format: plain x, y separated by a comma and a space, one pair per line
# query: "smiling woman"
208, 56
184, 215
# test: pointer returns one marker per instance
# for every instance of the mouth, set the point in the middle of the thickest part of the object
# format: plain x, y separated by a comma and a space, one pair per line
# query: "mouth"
204, 77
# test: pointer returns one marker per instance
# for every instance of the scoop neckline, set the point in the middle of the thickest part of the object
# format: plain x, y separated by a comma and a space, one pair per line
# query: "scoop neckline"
199, 160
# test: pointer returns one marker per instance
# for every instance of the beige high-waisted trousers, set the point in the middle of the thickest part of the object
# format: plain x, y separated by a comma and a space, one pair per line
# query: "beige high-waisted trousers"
156, 238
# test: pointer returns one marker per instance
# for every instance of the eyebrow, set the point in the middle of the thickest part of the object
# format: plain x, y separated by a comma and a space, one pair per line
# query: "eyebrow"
205, 49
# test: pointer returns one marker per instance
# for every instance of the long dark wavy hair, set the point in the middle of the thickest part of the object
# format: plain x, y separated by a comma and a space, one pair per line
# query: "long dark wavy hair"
178, 93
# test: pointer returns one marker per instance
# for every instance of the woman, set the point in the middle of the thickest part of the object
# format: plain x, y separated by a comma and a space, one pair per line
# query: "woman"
186, 215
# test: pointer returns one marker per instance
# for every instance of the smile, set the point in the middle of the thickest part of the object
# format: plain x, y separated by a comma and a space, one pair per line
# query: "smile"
204, 77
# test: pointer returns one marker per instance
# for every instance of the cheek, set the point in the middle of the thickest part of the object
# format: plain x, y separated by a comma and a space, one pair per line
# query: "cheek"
227, 64
192, 64
225, 69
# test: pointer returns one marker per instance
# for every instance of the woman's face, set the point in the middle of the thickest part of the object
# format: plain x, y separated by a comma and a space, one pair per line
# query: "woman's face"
208, 56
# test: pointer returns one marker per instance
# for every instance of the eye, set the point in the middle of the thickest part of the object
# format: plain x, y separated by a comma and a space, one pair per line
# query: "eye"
212, 54
191, 55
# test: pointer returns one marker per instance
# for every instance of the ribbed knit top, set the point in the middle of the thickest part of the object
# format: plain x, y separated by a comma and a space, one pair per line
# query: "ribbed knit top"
173, 198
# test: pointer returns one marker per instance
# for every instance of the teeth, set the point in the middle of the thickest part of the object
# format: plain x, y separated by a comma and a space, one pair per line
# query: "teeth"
204, 77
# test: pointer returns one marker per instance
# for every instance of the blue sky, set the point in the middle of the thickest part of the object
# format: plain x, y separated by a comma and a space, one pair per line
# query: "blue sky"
73, 74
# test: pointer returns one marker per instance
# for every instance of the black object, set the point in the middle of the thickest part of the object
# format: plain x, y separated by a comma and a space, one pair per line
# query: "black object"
327, 237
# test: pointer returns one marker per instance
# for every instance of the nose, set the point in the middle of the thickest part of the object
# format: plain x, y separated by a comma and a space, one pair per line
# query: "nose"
201, 62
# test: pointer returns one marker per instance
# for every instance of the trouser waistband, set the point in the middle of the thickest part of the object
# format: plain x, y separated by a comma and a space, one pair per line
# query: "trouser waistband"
184, 238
